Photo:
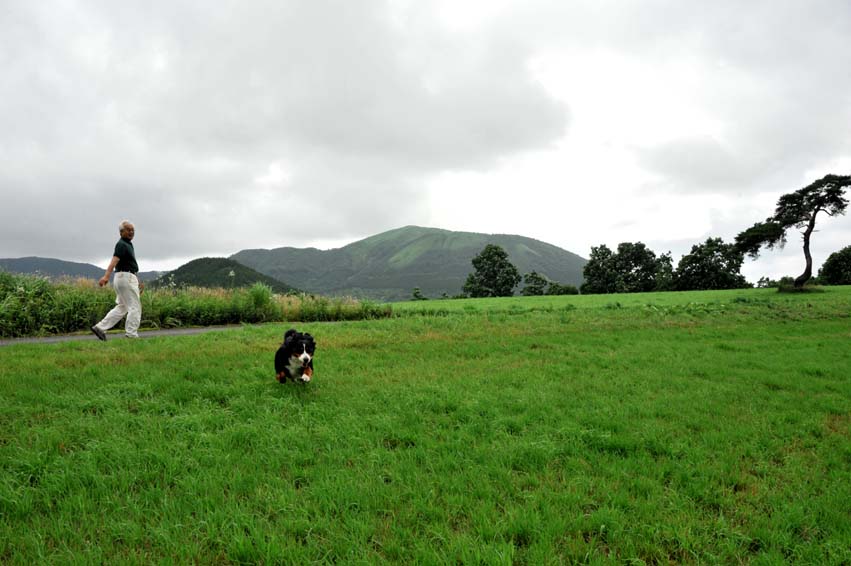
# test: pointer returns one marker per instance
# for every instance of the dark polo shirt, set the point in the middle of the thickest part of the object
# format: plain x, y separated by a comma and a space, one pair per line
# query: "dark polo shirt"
126, 256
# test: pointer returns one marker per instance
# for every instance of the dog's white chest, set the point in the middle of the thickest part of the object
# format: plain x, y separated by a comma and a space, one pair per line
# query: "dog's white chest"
296, 365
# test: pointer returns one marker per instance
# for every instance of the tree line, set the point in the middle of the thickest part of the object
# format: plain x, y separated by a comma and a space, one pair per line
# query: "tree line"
713, 264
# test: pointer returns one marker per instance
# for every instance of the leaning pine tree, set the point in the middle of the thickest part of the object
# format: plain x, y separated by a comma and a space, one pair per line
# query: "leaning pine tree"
494, 275
798, 210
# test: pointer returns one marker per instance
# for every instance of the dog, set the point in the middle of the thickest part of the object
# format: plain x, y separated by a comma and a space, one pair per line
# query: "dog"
294, 359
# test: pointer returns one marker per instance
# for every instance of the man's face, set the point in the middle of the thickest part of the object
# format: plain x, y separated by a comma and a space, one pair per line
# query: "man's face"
128, 232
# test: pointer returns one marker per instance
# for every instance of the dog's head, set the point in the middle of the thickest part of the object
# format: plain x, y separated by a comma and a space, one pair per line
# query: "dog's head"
300, 347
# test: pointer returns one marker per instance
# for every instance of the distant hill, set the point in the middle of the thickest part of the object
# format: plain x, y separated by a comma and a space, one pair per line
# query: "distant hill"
216, 272
55, 268
389, 265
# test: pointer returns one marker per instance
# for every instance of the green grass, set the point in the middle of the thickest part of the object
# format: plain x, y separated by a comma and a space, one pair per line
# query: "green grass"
682, 299
704, 428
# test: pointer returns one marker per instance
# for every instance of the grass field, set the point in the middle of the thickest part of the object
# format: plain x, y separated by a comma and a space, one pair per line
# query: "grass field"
688, 300
708, 428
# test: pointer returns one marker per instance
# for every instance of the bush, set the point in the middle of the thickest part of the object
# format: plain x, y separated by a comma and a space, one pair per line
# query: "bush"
261, 300
536, 284
31, 306
7, 283
559, 289
417, 295
790, 288
26, 306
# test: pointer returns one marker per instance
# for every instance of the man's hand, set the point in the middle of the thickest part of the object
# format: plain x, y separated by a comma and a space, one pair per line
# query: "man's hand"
105, 279
141, 287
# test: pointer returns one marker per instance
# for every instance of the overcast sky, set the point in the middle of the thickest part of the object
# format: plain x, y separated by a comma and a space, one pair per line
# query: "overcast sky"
221, 126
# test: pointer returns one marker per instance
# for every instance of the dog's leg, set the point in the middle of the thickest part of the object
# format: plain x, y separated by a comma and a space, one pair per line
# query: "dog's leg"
282, 377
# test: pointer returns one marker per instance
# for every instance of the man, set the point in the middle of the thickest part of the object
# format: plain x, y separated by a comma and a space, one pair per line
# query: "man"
127, 286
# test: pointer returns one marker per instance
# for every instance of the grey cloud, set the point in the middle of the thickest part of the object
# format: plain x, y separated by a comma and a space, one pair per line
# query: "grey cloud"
699, 164
781, 95
169, 112
314, 79
774, 76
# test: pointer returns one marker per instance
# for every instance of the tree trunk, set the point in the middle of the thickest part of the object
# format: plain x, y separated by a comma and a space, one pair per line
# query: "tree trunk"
808, 272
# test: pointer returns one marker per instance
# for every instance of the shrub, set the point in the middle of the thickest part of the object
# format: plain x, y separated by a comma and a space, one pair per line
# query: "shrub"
7, 283
536, 284
261, 300
25, 306
559, 289
787, 288
32, 306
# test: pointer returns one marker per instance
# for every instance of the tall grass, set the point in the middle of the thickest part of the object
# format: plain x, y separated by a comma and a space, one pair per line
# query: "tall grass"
32, 306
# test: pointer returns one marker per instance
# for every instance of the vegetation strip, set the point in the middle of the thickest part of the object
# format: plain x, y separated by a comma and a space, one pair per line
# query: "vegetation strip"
33, 306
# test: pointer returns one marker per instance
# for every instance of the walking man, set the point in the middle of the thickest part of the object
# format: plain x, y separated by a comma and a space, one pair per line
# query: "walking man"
127, 286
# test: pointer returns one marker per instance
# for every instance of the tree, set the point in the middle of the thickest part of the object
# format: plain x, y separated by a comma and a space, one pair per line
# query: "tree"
836, 270
556, 288
536, 284
711, 265
665, 273
634, 268
797, 210
599, 272
494, 275
417, 295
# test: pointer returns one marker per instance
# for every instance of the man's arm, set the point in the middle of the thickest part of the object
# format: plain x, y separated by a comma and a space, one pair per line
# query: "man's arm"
105, 279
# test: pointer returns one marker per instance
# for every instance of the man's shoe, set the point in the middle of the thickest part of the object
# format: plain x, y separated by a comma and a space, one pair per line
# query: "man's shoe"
134, 337
99, 333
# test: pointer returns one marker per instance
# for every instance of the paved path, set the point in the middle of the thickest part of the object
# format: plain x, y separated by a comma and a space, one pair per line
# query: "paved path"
116, 335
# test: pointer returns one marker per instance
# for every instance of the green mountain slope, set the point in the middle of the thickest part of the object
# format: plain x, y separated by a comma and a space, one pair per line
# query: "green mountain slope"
54, 268
216, 272
389, 265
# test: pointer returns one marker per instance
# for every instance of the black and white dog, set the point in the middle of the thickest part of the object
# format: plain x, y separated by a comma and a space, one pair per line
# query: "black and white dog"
294, 359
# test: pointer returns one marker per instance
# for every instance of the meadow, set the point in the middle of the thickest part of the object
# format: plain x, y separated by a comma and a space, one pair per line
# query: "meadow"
709, 428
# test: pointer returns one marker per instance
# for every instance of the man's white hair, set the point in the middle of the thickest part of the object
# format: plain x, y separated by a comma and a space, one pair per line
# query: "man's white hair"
124, 224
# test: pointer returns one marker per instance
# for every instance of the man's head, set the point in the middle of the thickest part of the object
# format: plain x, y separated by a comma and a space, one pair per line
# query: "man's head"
126, 229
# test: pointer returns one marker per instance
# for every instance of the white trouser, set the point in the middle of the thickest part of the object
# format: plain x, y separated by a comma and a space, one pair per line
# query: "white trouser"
126, 302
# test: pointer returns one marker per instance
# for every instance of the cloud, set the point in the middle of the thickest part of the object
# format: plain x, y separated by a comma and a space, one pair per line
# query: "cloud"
750, 95
260, 124
778, 90
168, 114
699, 164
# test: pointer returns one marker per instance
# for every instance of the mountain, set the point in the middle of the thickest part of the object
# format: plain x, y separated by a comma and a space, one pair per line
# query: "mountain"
55, 268
389, 265
216, 272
